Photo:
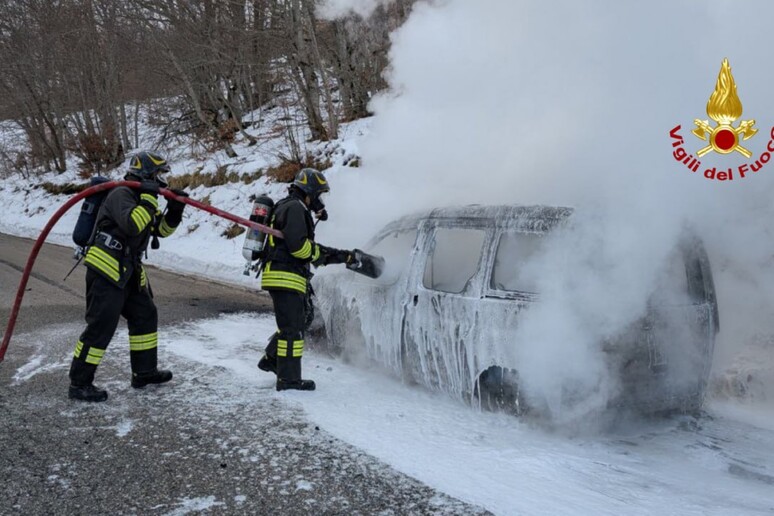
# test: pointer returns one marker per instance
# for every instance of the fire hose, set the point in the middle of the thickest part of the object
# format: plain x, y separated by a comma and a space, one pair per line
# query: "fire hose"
89, 192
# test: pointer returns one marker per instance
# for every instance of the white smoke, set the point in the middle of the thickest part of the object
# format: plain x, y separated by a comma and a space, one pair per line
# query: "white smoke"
336, 8
571, 103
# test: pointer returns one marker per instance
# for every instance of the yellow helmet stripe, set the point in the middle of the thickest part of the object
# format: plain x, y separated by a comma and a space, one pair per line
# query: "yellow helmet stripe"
156, 160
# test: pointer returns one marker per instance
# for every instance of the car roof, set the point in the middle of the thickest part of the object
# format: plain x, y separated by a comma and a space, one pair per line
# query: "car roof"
536, 218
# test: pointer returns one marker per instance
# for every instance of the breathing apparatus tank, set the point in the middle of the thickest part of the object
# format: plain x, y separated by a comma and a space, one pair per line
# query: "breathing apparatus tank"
87, 218
263, 207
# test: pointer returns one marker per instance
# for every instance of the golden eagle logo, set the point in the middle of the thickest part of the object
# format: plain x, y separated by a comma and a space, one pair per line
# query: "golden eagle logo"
724, 107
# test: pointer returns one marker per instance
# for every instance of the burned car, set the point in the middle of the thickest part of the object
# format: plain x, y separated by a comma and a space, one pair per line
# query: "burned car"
454, 289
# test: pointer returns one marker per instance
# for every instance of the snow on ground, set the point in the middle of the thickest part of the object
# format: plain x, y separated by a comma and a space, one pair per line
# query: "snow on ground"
497, 461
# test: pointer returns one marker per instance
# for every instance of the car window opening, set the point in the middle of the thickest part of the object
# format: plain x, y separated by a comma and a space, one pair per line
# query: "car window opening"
454, 259
396, 249
514, 252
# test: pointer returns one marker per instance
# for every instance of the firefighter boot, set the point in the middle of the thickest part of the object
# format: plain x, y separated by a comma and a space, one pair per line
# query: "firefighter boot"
268, 364
87, 393
268, 361
289, 375
140, 380
81, 386
299, 385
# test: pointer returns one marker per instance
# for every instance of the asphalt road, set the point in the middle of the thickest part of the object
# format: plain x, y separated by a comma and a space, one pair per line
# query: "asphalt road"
181, 448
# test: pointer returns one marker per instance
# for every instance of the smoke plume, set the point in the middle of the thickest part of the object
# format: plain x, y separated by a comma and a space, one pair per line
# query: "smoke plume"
571, 103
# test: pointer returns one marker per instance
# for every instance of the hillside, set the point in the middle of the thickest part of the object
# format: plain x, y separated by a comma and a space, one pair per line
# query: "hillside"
204, 244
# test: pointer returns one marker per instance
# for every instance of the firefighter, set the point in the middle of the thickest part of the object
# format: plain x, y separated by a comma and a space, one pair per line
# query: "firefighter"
116, 281
287, 272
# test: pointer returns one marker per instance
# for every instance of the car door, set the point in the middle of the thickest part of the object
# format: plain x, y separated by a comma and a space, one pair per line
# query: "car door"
510, 288
441, 314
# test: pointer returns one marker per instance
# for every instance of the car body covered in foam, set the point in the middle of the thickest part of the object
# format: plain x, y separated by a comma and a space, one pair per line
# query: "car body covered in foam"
454, 293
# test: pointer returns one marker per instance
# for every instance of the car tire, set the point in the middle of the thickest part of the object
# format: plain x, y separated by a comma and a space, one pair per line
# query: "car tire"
497, 389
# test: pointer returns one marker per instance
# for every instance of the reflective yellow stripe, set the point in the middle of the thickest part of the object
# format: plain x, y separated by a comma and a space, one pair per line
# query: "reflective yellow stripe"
101, 267
144, 213
271, 225
297, 348
141, 218
95, 356
305, 251
165, 229
282, 348
143, 347
144, 338
151, 199
143, 342
291, 276
143, 277
138, 221
104, 256
282, 279
283, 284
278, 276
78, 348
316, 254
103, 262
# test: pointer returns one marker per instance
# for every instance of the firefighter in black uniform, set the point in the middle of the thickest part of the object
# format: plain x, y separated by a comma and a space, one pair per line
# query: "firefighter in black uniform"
287, 272
116, 282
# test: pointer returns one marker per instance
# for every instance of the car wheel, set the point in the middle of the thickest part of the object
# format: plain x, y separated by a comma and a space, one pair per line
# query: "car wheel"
497, 389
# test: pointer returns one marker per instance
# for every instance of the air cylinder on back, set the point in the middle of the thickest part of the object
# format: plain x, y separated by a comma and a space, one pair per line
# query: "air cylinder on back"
254, 239
87, 218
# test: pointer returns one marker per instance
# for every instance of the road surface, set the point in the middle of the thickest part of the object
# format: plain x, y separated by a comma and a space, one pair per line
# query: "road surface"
185, 447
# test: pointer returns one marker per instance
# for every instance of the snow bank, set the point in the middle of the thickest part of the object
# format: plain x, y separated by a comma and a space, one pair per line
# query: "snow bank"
198, 246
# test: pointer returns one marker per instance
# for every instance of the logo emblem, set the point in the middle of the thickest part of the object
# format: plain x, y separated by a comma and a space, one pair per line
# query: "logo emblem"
724, 107
725, 138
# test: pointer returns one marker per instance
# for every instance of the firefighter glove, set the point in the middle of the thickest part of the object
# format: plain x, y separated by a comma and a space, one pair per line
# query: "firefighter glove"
324, 254
173, 205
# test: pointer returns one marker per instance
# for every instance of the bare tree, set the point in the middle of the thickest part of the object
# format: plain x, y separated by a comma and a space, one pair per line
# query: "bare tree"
69, 69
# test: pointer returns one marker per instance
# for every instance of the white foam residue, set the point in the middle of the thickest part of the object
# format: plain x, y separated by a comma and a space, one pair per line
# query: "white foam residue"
190, 505
304, 485
33, 367
124, 427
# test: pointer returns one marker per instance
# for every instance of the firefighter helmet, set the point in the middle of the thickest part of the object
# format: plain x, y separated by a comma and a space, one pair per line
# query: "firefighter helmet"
312, 182
147, 165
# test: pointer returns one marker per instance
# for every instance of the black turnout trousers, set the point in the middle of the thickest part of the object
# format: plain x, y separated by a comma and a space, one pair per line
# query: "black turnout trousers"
105, 304
287, 345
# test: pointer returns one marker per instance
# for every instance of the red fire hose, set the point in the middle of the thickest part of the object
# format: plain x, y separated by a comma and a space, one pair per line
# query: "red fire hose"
91, 191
